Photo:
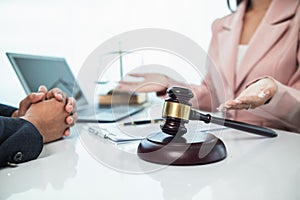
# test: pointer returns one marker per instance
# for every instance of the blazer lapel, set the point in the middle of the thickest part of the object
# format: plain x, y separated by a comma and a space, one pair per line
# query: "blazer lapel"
228, 40
269, 31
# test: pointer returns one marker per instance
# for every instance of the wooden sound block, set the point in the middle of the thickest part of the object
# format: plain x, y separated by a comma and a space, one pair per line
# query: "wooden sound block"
165, 149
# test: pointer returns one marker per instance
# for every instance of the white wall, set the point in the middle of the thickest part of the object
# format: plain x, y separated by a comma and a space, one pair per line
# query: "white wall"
74, 28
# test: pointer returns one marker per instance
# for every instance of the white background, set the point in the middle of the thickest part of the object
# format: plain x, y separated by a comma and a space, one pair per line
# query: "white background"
74, 28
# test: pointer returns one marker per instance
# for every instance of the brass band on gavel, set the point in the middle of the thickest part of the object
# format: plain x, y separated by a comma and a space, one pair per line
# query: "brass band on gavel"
176, 110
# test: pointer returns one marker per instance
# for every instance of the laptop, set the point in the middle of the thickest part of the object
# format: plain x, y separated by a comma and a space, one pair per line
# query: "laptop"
34, 70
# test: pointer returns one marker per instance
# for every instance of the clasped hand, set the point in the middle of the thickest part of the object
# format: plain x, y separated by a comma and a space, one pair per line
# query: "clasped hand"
51, 112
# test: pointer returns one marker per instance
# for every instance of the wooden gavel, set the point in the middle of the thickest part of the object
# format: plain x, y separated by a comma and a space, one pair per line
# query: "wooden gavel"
177, 111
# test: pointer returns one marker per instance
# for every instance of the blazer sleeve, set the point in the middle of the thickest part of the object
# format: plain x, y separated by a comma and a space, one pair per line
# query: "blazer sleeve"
20, 141
6, 110
207, 96
284, 107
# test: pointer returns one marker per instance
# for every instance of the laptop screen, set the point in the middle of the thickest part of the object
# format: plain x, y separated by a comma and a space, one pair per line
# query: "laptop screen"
52, 72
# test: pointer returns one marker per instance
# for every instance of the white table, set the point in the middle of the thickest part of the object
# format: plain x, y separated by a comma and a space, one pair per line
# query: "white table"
255, 168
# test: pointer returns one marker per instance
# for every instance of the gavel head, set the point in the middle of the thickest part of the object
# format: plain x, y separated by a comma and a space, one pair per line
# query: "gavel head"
176, 110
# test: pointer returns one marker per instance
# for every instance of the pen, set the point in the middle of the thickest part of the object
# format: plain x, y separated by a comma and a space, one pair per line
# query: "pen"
141, 122
105, 82
132, 123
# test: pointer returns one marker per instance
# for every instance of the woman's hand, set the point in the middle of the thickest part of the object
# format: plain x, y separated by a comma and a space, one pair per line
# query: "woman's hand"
255, 95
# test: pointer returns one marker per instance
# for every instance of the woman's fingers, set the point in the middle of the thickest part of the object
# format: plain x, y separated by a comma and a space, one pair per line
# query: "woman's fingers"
246, 102
138, 75
255, 95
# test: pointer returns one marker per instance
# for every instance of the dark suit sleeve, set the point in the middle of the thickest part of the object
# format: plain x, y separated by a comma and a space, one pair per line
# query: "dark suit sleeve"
6, 111
20, 141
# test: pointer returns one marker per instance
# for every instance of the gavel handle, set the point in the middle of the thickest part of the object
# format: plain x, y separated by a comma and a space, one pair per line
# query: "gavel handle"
207, 118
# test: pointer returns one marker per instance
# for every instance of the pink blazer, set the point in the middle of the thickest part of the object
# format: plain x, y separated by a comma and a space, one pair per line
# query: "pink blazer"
273, 51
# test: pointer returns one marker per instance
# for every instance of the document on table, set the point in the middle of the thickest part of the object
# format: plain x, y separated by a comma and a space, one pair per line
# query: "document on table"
122, 134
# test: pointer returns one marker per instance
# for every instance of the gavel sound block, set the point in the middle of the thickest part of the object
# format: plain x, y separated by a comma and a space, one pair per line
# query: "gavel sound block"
171, 146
